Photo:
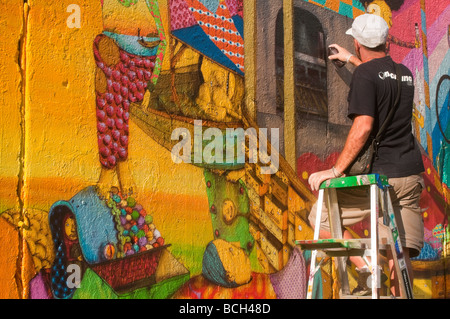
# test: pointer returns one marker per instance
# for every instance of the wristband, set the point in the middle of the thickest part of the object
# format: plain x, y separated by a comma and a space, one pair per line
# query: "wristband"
334, 170
349, 57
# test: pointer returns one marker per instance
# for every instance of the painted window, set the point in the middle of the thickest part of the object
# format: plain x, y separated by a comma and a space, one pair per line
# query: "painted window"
310, 63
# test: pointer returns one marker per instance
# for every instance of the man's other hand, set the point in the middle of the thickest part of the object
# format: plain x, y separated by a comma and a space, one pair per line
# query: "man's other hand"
316, 179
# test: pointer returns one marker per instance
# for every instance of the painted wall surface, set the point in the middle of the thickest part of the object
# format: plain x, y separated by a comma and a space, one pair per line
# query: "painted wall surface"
114, 119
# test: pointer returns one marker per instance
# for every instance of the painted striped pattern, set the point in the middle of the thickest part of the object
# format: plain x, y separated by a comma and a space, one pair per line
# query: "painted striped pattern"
220, 28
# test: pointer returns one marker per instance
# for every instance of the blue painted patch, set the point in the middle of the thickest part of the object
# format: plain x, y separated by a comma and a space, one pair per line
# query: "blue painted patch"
357, 4
444, 119
346, 10
131, 45
211, 5
239, 24
427, 253
196, 38
321, 2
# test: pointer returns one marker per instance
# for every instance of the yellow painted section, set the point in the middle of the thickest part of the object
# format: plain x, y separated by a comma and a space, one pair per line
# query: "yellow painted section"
250, 56
60, 143
289, 84
422, 288
11, 86
61, 123
124, 20
381, 8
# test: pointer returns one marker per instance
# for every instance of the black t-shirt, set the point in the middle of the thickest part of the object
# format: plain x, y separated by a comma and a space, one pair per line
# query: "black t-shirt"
373, 92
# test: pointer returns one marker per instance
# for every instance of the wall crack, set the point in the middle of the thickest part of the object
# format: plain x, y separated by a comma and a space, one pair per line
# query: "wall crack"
20, 190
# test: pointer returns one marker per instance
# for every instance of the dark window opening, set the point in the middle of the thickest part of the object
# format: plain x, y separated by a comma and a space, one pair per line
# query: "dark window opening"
309, 62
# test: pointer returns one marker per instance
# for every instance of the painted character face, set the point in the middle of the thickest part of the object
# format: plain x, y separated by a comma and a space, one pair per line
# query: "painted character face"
70, 228
235, 262
229, 211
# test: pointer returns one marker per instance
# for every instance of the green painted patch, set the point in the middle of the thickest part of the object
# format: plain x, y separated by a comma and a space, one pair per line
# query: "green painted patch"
229, 210
355, 181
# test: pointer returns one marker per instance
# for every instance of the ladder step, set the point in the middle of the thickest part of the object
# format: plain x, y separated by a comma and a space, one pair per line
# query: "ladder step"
333, 243
340, 247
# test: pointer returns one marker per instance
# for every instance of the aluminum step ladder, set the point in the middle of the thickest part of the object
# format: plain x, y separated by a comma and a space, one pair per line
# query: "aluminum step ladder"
339, 248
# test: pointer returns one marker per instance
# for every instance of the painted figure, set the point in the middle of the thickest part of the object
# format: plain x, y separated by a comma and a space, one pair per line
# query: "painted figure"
73, 248
128, 55
226, 264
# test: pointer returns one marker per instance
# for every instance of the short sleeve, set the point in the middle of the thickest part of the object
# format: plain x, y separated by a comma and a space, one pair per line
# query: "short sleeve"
362, 98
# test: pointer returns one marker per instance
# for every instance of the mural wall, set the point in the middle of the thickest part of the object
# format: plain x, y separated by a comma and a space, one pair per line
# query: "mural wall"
125, 171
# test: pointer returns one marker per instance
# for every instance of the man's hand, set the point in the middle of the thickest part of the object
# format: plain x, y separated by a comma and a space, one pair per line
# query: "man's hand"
344, 55
317, 178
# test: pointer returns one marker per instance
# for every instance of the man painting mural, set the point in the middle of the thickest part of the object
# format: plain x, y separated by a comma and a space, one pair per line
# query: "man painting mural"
372, 92
128, 55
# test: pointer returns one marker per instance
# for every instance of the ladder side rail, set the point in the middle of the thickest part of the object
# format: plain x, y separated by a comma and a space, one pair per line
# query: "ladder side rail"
316, 237
374, 209
397, 251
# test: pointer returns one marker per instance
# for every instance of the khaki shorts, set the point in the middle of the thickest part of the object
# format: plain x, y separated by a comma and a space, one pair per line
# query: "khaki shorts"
405, 193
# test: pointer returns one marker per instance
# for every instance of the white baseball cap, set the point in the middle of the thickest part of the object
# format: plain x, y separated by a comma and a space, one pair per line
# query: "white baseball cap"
370, 30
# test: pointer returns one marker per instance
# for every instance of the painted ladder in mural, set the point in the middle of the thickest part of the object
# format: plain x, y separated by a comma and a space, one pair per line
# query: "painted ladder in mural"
258, 211
260, 190
105, 232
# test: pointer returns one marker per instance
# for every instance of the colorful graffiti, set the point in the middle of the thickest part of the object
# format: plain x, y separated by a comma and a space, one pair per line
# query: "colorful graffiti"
96, 207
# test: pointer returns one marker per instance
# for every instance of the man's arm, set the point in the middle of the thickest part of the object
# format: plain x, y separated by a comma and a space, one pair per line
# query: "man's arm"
357, 137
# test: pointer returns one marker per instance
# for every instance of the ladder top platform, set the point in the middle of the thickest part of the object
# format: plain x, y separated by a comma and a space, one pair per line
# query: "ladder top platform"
355, 181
